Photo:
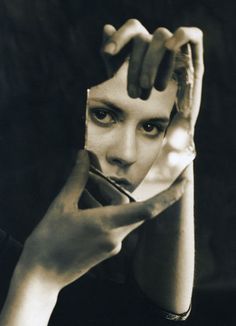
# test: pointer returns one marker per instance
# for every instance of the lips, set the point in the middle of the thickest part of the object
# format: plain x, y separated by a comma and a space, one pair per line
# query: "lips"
124, 183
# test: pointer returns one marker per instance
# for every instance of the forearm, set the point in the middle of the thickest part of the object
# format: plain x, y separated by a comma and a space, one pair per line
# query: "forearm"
31, 298
164, 265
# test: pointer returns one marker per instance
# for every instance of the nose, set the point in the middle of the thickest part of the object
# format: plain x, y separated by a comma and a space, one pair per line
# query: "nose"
123, 151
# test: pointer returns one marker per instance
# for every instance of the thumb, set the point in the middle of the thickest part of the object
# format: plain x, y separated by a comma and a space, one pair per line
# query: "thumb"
108, 31
78, 177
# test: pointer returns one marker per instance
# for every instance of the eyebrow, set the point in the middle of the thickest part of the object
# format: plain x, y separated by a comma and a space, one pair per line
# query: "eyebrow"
163, 120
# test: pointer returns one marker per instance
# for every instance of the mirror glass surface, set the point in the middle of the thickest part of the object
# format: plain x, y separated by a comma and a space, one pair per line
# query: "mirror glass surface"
142, 145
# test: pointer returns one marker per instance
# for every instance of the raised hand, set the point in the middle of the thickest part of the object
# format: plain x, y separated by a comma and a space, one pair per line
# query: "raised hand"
69, 240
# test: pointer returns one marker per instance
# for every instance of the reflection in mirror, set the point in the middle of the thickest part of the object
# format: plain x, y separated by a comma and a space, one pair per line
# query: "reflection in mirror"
141, 145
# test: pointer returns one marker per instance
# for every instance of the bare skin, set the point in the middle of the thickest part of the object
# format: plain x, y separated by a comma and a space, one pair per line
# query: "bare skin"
48, 264
167, 274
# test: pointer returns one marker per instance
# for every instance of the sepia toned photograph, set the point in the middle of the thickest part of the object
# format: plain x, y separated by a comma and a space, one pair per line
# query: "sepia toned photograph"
117, 163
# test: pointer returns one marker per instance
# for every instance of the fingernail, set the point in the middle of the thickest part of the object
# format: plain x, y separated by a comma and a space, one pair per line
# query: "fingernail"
145, 81
133, 91
110, 48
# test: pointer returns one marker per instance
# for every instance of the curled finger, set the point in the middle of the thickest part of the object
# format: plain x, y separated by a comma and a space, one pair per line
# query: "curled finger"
140, 45
165, 199
133, 214
153, 57
194, 36
123, 36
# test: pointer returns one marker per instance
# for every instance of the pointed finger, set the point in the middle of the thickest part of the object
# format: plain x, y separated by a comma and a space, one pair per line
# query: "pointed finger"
129, 214
140, 46
153, 58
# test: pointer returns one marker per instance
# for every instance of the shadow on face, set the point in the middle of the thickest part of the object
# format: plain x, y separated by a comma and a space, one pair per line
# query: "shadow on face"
127, 134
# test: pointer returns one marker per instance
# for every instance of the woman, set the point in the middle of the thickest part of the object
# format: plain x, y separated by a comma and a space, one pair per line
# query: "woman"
68, 242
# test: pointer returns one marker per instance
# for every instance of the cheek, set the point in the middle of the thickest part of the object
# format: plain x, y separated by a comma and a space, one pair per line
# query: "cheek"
148, 153
97, 141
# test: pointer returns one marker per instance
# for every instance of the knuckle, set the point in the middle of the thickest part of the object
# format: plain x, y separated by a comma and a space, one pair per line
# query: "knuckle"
199, 32
161, 33
141, 39
116, 250
110, 246
61, 207
181, 32
148, 210
134, 23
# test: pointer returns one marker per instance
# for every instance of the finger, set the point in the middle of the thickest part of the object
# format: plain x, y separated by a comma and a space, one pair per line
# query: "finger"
190, 85
193, 35
87, 201
104, 192
140, 45
145, 93
153, 57
167, 198
185, 71
165, 71
123, 36
108, 31
77, 179
130, 214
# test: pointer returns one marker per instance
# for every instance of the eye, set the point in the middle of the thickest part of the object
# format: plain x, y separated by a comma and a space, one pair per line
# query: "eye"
102, 116
150, 129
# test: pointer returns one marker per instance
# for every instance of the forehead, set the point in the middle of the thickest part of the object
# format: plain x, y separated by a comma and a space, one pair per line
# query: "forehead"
114, 91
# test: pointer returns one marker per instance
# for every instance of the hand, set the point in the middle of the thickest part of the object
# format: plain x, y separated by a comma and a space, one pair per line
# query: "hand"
69, 240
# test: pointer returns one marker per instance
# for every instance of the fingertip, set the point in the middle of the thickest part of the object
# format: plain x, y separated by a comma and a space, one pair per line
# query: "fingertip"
134, 91
160, 85
110, 48
109, 29
145, 93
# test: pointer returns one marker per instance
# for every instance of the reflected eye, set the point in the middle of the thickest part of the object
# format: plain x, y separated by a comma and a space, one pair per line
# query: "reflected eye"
102, 117
150, 129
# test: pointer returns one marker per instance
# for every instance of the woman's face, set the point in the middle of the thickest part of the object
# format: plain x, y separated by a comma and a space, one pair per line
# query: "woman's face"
126, 134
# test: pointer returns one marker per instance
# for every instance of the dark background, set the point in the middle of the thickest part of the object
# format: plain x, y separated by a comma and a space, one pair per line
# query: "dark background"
45, 50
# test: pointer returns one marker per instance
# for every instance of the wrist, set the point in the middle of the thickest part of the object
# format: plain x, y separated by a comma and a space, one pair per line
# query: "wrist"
32, 293
31, 271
